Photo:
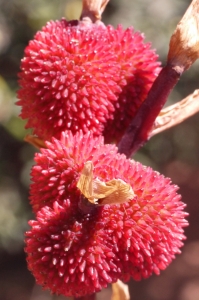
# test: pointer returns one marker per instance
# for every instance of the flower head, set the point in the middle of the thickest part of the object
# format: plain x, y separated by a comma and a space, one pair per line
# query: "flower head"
92, 78
74, 251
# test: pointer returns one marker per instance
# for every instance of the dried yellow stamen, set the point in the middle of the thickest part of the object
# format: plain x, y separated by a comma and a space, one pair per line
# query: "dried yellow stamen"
115, 191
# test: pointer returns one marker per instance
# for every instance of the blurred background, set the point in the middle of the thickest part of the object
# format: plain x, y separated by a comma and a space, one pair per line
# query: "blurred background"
175, 153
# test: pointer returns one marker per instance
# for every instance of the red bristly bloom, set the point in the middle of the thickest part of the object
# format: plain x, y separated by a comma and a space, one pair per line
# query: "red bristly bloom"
92, 78
75, 252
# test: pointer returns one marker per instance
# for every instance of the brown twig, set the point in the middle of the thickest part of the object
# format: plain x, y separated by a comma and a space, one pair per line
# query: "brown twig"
92, 10
120, 291
176, 113
184, 43
183, 51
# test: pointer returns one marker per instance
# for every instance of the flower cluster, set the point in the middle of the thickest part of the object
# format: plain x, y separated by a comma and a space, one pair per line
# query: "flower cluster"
92, 78
81, 85
76, 252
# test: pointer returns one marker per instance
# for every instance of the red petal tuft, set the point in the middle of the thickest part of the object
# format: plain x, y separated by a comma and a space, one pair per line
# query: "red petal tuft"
74, 253
92, 78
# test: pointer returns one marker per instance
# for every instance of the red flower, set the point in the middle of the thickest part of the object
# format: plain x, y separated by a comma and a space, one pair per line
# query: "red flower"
74, 252
92, 78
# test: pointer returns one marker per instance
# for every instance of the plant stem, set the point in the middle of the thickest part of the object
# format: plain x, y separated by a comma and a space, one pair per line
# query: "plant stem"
138, 131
